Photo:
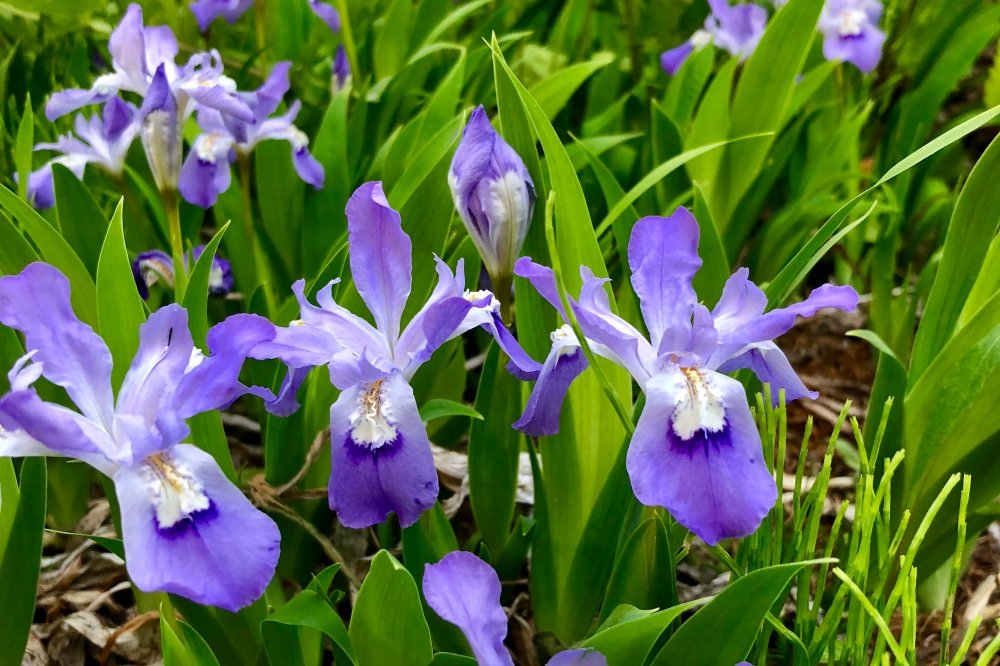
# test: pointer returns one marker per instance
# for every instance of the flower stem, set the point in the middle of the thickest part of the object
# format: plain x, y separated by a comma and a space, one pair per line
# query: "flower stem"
171, 205
257, 260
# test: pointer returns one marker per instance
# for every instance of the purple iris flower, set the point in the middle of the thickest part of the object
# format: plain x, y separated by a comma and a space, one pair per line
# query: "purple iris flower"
206, 11
465, 591
493, 193
326, 13
696, 449
736, 29
206, 173
155, 265
341, 71
187, 529
102, 140
380, 454
137, 54
850, 32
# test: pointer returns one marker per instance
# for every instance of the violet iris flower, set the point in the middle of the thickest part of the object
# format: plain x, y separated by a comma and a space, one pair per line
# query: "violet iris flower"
206, 11
206, 173
696, 449
137, 54
380, 455
850, 32
327, 13
494, 195
187, 529
736, 29
465, 591
102, 140
155, 265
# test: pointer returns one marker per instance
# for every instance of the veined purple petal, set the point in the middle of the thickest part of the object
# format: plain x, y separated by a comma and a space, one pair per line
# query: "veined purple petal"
221, 99
610, 335
34, 427
286, 403
161, 49
37, 303
672, 59
771, 366
449, 285
212, 382
465, 591
165, 349
380, 455
543, 280
380, 257
128, 45
67, 101
587, 657
349, 330
697, 452
268, 97
327, 13
564, 363
663, 256
195, 535
438, 325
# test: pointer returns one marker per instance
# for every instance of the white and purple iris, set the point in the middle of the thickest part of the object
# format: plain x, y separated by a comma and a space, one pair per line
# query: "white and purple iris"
381, 457
186, 528
143, 62
736, 29
465, 591
696, 449
493, 193
156, 265
103, 140
206, 173
850, 32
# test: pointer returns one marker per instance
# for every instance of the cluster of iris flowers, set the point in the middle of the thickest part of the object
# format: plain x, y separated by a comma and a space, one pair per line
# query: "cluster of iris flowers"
189, 530
850, 32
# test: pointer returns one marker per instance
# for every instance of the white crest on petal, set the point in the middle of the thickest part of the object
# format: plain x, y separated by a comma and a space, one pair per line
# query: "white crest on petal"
371, 420
564, 340
175, 492
851, 22
699, 405
700, 39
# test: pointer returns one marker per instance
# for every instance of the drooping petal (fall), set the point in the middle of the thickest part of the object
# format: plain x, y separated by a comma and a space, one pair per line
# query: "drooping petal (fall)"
697, 452
465, 591
189, 531
380, 455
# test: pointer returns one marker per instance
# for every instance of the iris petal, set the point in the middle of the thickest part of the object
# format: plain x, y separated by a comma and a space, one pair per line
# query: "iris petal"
714, 482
